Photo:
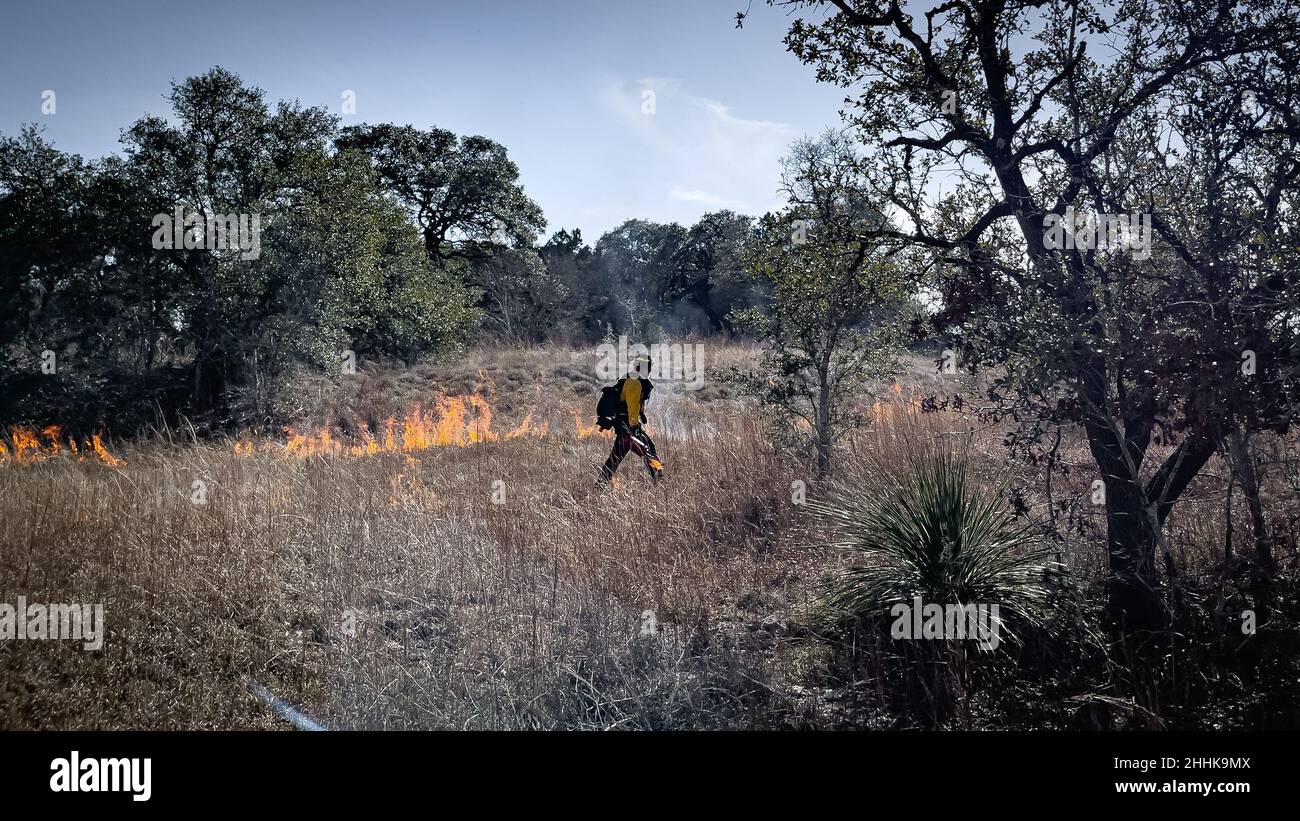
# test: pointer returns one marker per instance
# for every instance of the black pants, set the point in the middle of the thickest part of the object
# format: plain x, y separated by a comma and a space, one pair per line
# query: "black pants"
630, 439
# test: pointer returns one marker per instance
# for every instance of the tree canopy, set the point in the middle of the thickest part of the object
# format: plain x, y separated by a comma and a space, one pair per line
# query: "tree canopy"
989, 123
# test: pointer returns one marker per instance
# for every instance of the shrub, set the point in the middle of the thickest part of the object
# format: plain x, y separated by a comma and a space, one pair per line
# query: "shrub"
930, 532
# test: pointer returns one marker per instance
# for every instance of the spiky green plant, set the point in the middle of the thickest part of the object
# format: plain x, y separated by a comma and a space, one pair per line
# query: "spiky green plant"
932, 533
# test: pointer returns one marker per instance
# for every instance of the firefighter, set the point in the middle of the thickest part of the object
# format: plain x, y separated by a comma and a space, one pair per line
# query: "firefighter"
632, 393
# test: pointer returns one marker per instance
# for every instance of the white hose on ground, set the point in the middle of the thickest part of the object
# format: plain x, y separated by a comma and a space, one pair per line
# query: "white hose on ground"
284, 709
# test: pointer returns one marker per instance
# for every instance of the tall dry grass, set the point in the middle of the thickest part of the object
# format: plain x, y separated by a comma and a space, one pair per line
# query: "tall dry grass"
391, 592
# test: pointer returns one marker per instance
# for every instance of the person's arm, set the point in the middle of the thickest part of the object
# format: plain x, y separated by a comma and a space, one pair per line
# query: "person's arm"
646, 388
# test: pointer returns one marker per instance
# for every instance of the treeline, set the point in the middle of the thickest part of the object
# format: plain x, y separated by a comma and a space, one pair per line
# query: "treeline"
239, 244
642, 278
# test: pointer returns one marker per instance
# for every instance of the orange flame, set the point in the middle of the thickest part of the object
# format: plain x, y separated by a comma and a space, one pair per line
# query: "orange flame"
895, 409
26, 447
584, 430
456, 421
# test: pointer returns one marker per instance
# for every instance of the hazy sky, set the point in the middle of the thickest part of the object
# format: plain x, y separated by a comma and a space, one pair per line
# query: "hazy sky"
560, 83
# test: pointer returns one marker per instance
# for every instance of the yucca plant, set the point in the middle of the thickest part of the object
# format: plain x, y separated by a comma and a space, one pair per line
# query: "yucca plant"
932, 533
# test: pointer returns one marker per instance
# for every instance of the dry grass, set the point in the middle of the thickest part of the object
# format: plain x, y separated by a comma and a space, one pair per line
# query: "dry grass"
468, 614
391, 592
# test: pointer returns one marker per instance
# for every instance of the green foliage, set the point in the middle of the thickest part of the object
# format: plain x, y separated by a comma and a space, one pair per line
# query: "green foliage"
214, 333
935, 535
836, 303
526, 299
653, 278
45, 244
463, 193
1183, 337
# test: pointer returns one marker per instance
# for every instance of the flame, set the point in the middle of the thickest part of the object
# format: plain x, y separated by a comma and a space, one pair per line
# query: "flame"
897, 408
656, 464
97, 443
452, 421
584, 430
28, 445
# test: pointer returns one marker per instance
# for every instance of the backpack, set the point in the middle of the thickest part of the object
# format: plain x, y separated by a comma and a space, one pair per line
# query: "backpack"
609, 406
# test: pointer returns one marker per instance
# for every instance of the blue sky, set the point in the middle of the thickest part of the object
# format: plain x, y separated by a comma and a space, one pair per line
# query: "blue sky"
562, 84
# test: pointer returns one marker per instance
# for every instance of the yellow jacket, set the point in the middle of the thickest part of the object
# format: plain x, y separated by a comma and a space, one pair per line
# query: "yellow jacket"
632, 399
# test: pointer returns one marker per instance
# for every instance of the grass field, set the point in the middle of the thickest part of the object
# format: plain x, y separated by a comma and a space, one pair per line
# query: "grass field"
491, 584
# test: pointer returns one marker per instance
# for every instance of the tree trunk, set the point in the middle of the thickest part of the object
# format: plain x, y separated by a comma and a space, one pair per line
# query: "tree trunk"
1132, 529
1134, 593
823, 455
1135, 516
1244, 468
823, 426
